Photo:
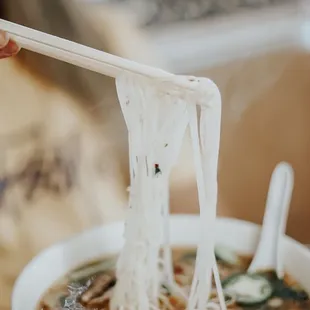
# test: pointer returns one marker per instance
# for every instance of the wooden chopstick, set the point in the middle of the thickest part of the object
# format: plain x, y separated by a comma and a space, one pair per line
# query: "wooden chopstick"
76, 54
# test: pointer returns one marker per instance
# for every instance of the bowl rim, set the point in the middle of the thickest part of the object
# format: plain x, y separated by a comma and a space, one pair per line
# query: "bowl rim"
41, 257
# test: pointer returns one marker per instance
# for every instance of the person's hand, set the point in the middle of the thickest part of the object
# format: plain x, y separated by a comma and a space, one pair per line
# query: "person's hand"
8, 47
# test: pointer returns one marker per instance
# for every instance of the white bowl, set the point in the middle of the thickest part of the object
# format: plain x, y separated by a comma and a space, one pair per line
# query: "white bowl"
57, 260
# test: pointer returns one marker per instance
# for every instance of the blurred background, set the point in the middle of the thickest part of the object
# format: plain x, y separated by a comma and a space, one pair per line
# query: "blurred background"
64, 165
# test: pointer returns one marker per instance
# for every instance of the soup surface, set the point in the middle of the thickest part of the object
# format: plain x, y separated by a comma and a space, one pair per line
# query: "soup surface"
91, 285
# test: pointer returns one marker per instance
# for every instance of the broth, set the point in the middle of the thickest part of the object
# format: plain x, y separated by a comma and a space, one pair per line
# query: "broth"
90, 285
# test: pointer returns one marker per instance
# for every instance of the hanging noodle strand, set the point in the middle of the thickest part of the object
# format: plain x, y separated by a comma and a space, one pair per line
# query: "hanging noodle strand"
206, 151
156, 122
157, 114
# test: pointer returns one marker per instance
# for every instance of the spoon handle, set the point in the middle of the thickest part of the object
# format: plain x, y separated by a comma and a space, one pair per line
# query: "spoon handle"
268, 256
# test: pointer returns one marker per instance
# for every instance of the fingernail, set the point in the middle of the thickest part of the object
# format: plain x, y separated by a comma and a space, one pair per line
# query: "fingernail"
3, 38
12, 47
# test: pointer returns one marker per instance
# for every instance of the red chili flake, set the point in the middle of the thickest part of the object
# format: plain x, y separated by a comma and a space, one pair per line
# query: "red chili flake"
178, 269
173, 301
44, 307
176, 303
157, 169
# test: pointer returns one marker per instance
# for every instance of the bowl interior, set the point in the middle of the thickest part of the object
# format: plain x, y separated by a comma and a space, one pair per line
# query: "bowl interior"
54, 262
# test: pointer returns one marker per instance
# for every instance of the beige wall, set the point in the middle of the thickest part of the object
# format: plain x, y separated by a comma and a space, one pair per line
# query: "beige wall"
263, 123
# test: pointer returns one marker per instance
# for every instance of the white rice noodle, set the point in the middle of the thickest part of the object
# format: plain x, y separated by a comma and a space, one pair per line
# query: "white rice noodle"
156, 122
157, 114
206, 152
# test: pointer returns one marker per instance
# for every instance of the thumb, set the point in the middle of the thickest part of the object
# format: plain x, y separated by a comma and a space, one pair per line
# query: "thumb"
4, 39
7, 47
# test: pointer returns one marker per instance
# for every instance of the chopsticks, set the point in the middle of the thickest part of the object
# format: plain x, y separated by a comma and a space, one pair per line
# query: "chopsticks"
93, 59
77, 54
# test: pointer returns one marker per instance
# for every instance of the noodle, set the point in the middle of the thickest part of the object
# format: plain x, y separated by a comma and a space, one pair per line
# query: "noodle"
206, 151
156, 124
157, 114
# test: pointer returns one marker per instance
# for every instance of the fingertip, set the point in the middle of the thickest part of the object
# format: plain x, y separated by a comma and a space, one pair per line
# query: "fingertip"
4, 39
10, 49
13, 47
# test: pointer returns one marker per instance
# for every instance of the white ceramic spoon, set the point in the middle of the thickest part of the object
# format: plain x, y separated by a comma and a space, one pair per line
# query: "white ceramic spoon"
268, 255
